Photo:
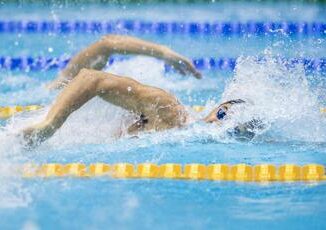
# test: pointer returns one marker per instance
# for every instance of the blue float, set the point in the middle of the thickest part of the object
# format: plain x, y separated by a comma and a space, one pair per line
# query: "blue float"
135, 26
227, 64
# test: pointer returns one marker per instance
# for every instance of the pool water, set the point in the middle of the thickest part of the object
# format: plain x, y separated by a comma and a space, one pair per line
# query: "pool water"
285, 97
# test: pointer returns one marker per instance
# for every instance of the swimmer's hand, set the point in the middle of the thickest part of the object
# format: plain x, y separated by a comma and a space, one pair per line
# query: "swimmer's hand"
30, 139
181, 64
35, 135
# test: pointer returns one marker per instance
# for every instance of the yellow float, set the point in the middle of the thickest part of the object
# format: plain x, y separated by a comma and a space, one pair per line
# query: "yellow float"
214, 172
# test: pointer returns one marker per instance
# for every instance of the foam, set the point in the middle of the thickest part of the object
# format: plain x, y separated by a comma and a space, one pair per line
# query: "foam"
281, 97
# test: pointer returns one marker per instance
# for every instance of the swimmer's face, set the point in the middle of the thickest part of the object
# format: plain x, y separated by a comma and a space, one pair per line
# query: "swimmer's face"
221, 112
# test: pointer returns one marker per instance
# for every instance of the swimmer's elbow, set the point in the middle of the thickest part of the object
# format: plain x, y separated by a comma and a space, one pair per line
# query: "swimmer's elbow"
112, 37
110, 41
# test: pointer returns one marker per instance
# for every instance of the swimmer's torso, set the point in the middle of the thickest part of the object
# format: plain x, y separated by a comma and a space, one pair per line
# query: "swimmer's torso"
156, 108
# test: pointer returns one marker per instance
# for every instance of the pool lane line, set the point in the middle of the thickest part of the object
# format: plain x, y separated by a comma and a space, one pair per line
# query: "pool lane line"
9, 111
28, 63
258, 28
194, 171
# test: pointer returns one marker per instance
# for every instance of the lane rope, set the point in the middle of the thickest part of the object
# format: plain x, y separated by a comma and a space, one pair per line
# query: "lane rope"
9, 111
136, 26
219, 172
27, 63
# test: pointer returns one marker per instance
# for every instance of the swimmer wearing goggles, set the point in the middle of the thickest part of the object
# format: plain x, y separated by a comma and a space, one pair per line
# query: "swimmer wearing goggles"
242, 132
82, 80
220, 113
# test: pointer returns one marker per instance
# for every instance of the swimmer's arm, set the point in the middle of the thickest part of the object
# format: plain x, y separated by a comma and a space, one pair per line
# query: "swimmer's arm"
130, 45
96, 55
88, 84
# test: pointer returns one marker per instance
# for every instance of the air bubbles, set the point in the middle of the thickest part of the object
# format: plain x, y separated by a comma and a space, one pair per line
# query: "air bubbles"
281, 97
50, 49
278, 44
54, 15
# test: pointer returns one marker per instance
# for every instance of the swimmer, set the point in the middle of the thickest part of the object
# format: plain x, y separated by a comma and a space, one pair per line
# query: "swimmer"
82, 80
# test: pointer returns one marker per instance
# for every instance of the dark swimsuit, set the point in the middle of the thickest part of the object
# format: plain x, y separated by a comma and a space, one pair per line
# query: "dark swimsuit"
142, 121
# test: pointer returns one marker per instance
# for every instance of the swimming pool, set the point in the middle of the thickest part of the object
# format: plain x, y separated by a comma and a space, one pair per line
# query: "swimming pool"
288, 97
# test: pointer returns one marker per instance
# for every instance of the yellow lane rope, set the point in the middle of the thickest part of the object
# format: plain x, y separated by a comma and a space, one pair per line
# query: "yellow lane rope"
218, 172
9, 111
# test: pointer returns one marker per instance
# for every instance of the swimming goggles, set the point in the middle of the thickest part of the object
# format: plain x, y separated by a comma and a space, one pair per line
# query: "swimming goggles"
221, 113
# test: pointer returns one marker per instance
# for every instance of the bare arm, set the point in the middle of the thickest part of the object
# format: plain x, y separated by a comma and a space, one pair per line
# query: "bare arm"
131, 45
86, 85
124, 92
95, 56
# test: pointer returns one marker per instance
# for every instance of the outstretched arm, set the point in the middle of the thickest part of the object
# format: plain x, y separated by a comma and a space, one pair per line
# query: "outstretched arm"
86, 85
131, 45
120, 91
96, 55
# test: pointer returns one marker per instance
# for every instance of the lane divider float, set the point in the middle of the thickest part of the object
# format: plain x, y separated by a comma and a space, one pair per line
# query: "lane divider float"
218, 172
9, 111
191, 28
26, 63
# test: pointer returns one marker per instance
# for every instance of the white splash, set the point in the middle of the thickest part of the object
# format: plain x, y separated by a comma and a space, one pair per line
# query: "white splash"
279, 95
12, 193
151, 72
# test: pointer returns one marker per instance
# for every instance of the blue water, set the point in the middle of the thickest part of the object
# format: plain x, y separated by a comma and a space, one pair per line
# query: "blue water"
287, 99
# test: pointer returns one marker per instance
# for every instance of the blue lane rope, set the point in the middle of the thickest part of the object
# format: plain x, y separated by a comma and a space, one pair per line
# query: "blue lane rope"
227, 64
125, 26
